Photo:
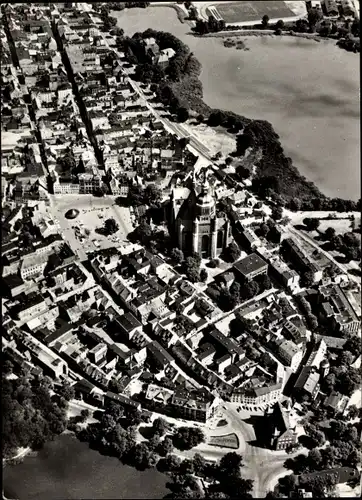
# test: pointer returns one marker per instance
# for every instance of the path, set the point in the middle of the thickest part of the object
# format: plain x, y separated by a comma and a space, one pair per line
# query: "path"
311, 241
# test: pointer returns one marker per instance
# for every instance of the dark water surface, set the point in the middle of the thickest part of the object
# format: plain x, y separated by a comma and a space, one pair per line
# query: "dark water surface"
309, 91
68, 469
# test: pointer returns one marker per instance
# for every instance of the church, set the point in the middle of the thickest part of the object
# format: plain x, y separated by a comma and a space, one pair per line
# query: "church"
195, 223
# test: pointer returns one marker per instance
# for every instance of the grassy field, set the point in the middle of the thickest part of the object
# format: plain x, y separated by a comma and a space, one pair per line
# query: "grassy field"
227, 441
252, 11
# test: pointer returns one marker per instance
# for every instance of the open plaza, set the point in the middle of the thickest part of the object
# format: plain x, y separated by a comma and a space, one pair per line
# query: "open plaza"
93, 212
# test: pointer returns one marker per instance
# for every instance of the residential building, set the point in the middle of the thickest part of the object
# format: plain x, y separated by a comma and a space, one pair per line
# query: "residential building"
128, 326
301, 259
317, 355
286, 276
336, 308
308, 382
160, 357
51, 363
265, 394
98, 353
290, 354
199, 405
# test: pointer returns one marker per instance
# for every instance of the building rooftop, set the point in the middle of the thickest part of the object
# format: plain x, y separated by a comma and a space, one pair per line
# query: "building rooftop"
250, 264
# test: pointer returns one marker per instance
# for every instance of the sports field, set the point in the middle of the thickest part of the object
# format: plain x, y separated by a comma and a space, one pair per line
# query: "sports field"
235, 12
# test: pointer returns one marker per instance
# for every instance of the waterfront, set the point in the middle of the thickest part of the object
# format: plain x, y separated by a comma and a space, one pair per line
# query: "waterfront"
308, 90
67, 468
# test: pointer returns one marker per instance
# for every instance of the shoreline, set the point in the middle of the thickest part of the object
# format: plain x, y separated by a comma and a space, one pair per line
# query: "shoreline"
261, 33
190, 95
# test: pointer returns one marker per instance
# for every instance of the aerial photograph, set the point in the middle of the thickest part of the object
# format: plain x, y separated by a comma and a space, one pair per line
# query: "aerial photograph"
181, 250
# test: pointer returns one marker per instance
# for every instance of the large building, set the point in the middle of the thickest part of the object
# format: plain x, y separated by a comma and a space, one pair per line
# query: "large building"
251, 266
282, 433
198, 405
195, 223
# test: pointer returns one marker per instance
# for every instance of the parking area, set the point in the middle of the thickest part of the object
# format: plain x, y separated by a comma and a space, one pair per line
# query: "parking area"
93, 212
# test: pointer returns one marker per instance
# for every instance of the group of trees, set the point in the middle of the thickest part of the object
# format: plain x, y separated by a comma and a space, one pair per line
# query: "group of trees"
229, 298
223, 479
192, 268
311, 223
31, 416
342, 377
186, 438
212, 25
183, 64
342, 451
348, 244
110, 227
232, 252
306, 308
108, 21
151, 196
321, 202
115, 435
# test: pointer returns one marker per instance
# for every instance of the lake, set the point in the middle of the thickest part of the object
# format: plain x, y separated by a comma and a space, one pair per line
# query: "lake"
68, 469
308, 90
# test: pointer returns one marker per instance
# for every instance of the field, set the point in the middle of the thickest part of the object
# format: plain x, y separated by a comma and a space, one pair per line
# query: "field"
227, 441
252, 11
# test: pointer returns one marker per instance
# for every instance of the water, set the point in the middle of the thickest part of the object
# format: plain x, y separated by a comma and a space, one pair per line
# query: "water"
68, 469
309, 91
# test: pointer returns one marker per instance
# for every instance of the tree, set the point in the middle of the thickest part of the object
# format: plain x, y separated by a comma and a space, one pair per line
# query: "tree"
265, 21
203, 275
249, 290
316, 436
152, 195
182, 114
171, 463
287, 484
277, 213
84, 415
230, 465
235, 292
135, 195
314, 16
311, 223
199, 464
233, 251
188, 437
154, 442
280, 24
110, 226
308, 279
192, 266
165, 447
66, 391
177, 255
8, 366
160, 426
143, 233
264, 282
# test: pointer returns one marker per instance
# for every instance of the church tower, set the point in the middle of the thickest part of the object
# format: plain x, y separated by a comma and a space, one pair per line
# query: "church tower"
197, 228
